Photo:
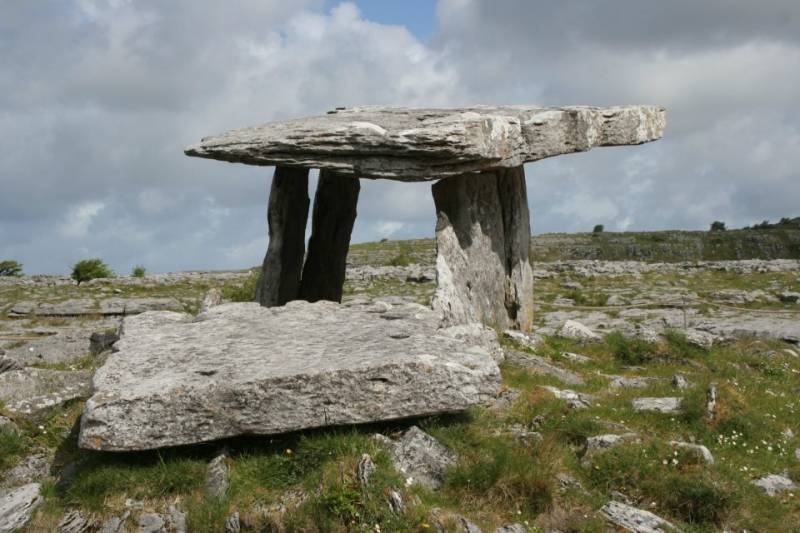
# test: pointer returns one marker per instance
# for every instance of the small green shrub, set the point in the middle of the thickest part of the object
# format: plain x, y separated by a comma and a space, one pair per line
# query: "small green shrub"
717, 226
138, 271
598, 228
242, 292
403, 257
629, 351
10, 268
88, 269
12, 446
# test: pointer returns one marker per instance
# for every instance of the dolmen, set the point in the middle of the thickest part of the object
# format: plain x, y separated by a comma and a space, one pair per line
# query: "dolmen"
298, 358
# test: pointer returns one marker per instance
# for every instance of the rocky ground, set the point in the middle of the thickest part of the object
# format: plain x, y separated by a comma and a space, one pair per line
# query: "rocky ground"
652, 396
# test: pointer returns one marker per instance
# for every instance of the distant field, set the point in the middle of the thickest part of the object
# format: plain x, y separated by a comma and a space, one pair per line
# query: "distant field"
666, 246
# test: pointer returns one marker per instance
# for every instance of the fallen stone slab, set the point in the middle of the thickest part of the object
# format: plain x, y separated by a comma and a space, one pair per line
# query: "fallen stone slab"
635, 520
576, 400
660, 405
17, 506
33, 390
242, 369
630, 382
540, 365
753, 325
409, 144
60, 344
599, 443
92, 307
774, 484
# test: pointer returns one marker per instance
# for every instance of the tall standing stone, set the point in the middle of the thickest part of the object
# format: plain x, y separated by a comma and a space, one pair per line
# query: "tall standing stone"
483, 249
331, 226
287, 214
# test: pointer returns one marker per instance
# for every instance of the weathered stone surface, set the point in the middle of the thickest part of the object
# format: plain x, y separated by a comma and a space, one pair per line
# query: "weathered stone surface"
7, 364
246, 369
573, 329
422, 144
32, 390
335, 205
287, 214
421, 459
33, 468
598, 443
476, 334
92, 307
775, 483
511, 528
233, 524
576, 400
74, 522
101, 341
17, 507
660, 405
540, 365
212, 298
217, 477
483, 269
635, 520
151, 523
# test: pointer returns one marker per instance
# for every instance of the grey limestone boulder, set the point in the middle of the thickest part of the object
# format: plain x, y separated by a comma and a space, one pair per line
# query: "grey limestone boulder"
659, 405
774, 484
572, 329
17, 506
420, 458
245, 369
635, 520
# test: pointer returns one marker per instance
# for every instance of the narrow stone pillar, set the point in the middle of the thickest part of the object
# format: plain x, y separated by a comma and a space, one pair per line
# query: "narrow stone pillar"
286, 215
483, 265
331, 226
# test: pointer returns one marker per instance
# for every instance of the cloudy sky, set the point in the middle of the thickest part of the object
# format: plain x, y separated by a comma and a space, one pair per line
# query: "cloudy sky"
99, 97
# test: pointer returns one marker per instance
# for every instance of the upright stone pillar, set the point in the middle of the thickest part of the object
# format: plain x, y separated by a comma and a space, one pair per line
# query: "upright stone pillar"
483, 265
287, 215
331, 226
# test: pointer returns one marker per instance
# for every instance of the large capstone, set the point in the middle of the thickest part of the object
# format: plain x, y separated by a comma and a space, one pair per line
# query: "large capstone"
245, 369
483, 265
426, 144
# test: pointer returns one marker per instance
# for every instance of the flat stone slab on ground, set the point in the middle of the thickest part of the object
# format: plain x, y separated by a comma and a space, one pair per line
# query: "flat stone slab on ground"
660, 405
420, 458
635, 520
242, 369
90, 306
32, 390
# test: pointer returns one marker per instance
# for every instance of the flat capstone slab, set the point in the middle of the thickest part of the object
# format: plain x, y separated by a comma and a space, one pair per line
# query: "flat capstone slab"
241, 369
421, 144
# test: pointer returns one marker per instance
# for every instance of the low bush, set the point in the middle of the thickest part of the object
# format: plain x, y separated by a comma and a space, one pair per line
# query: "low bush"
138, 271
88, 269
630, 350
10, 268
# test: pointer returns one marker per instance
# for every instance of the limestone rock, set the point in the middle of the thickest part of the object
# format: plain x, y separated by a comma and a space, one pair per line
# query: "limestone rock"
245, 369
102, 340
420, 144
511, 528
576, 400
573, 329
421, 458
540, 365
775, 483
701, 451
233, 524
630, 382
176, 520
152, 523
115, 524
701, 339
212, 299
17, 506
287, 214
483, 269
577, 358
7, 364
74, 522
89, 306
217, 477
477, 334
599, 443
660, 405
528, 340
789, 297
364, 471
32, 390
33, 468
680, 382
635, 520
396, 502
